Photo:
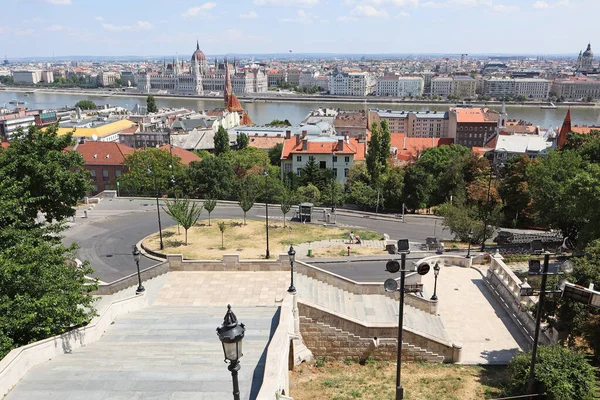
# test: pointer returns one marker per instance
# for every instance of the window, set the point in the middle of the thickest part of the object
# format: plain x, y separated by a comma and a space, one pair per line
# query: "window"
93, 172
335, 172
118, 173
299, 158
105, 175
334, 158
346, 172
347, 158
299, 171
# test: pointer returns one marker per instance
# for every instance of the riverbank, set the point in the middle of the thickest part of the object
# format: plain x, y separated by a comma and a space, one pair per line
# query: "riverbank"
274, 97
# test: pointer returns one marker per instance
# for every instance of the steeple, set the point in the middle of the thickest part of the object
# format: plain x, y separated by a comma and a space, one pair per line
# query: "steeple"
197, 45
564, 130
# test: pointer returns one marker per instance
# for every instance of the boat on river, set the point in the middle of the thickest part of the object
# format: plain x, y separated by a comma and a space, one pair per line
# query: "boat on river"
550, 106
17, 102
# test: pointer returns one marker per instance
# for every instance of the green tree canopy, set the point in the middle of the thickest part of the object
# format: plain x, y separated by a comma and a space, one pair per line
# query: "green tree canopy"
151, 104
242, 141
211, 177
277, 122
275, 154
246, 161
184, 212
373, 155
221, 141
86, 105
209, 206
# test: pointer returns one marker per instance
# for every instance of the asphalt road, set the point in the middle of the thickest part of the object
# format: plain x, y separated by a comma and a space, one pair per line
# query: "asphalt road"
366, 271
106, 238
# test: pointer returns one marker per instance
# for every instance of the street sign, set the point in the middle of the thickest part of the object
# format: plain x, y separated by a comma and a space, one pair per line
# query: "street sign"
403, 246
423, 269
535, 267
577, 293
416, 288
392, 266
390, 285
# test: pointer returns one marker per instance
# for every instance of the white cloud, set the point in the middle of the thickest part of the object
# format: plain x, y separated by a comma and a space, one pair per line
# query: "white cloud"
402, 15
140, 25
347, 19
199, 11
60, 2
304, 17
368, 11
397, 3
99, 19
544, 4
55, 28
505, 8
457, 3
288, 3
25, 32
249, 15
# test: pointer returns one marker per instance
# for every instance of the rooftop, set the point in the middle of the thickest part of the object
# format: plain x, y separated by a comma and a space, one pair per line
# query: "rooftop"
102, 153
100, 131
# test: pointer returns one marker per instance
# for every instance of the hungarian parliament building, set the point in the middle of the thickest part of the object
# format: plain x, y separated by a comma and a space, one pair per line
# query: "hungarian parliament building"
200, 78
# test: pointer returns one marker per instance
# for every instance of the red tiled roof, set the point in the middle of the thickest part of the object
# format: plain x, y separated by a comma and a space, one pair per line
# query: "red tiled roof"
246, 121
350, 147
584, 130
233, 104
129, 131
4, 144
264, 142
103, 153
410, 148
474, 115
186, 156
480, 150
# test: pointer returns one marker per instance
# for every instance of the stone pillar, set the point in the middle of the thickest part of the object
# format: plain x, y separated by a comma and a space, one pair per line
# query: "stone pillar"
456, 353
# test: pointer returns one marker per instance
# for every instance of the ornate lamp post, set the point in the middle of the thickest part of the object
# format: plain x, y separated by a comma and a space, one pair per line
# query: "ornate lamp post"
230, 334
266, 175
470, 239
436, 272
157, 208
136, 256
292, 255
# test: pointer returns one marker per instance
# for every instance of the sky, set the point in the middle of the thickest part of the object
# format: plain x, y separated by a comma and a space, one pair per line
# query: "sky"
43, 28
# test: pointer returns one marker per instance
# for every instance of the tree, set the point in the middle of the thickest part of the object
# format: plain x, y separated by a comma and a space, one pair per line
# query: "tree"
363, 195
418, 188
560, 373
46, 178
393, 188
514, 190
312, 174
221, 141
246, 202
373, 154
242, 141
211, 177
385, 143
151, 104
309, 194
153, 170
246, 161
86, 105
277, 122
275, 154
222, 228
209, 206
461, 219
183, 214
286, 203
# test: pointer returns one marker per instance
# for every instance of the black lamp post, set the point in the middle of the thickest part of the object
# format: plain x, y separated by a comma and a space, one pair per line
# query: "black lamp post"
436, 272
157, 208
470, 238
266, 175
136, 256
231, 334
333, 179
292, 255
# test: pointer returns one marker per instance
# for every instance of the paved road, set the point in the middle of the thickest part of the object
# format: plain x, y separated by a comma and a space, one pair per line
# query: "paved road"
107, 236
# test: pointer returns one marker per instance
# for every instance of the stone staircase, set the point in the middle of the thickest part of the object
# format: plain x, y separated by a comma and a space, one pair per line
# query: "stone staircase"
382, 348
159, 353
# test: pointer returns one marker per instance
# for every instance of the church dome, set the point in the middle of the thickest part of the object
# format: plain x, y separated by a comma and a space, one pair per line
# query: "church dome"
198, 54
588, 52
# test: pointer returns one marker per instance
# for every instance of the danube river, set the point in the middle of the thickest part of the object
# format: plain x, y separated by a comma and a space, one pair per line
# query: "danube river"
264, 112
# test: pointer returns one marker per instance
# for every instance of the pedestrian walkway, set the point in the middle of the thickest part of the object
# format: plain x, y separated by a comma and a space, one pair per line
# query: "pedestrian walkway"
473, 317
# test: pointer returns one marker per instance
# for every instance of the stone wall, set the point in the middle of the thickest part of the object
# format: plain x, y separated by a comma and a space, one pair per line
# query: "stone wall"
132, 280
230, 262
332, 336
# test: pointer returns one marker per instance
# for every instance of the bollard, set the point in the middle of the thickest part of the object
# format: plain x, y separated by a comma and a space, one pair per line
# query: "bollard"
84, 213
328, 218
348, 251
310, 252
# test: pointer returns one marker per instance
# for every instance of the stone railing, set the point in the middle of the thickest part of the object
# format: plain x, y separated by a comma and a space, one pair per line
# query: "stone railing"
20, 360
446, 260
132, 280
276, 381
351, 286
377, 331
505, 285
230, 262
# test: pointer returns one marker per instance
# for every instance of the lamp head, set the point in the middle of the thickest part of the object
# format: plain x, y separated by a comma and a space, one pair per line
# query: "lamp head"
230, 334
136, 253
436, 269
292, 254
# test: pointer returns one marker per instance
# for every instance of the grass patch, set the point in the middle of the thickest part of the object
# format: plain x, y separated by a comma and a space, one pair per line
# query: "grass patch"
249, 241
375, 380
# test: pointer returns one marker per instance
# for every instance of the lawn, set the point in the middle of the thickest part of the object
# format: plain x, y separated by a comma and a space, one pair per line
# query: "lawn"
249, 241
376, 380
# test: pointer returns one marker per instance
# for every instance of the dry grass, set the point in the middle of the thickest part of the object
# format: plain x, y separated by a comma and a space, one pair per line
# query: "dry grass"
377, 381
249, 241
342, 251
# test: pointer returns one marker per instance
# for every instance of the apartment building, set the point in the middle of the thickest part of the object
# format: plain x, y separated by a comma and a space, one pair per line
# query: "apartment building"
398, 86
421, 124
575, 89
503, 87
352, 84
472, 126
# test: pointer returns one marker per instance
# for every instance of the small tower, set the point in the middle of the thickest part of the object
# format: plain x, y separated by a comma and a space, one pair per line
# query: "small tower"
502, 117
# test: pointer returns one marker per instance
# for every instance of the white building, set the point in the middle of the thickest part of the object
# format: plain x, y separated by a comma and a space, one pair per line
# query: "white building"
442, 86
530, 88
576, 89
107, 78
398, 86
31, 77
351, 84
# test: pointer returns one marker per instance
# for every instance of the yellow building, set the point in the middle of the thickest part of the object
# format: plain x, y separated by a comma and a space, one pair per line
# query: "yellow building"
106, 132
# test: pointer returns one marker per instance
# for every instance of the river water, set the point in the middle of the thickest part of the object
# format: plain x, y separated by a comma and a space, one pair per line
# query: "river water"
264, 112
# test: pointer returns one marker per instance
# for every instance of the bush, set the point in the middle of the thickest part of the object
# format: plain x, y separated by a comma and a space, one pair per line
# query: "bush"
560, 373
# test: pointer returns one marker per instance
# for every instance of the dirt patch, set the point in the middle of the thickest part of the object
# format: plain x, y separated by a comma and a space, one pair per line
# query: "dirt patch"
249, 241
377, 380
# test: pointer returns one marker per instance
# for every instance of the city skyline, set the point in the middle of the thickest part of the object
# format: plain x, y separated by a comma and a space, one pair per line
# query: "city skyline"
43, 28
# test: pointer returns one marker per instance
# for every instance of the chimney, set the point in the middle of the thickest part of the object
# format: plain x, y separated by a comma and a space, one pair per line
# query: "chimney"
340, 145
304, 144
297, 139
360, 138
304, 134
288, 134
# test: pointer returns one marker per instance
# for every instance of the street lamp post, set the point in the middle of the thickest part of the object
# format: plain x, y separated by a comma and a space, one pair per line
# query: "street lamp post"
266, 174
292, 255
230, 334
436, 272
470, 238
157, 209
136, 256
333, 179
